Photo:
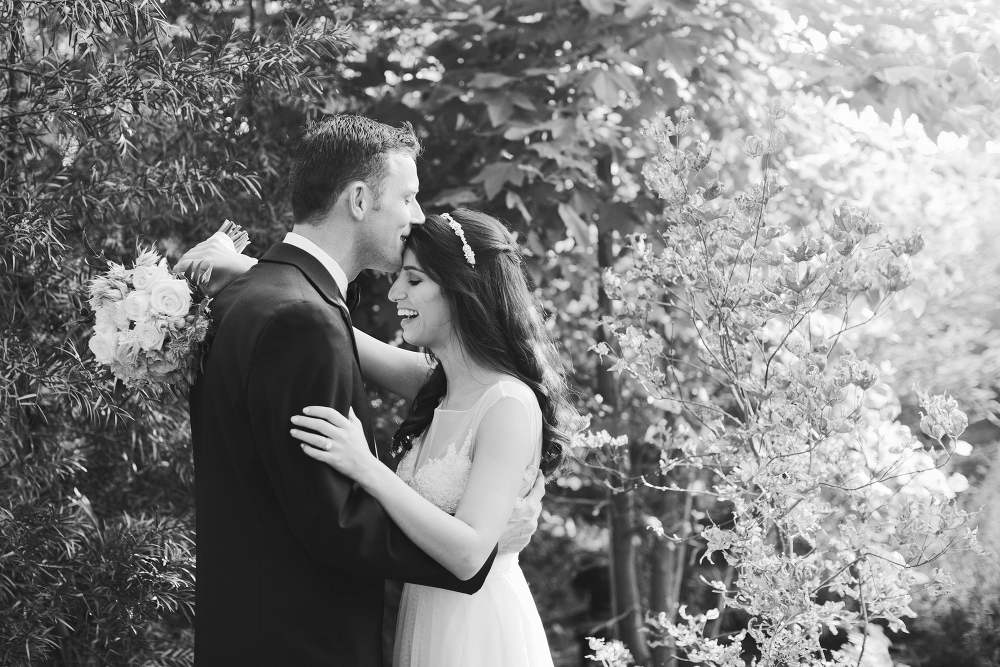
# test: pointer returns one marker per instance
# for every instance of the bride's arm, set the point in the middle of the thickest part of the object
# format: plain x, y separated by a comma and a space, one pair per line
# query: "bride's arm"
461, 543
213, 264
397, 370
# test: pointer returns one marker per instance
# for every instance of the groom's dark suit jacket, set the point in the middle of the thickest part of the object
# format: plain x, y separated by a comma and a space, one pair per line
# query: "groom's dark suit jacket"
292, 555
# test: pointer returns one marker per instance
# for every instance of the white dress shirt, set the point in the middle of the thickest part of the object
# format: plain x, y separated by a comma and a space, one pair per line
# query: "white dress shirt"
329, 263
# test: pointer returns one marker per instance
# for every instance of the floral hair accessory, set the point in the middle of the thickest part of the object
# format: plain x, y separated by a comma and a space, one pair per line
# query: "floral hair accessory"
470, 256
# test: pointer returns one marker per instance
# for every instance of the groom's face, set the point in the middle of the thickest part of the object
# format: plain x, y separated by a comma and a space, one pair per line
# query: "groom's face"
394, 213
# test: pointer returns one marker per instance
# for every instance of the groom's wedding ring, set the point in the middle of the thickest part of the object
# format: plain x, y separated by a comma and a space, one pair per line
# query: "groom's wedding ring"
327, 444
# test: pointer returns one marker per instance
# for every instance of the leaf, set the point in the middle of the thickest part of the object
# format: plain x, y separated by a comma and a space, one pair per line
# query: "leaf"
599, 7
636, 8
522, 101
677, 52
491, 80
493, 177
605, 88
498, 106
518, 131
514, 201
454, 197
575, 225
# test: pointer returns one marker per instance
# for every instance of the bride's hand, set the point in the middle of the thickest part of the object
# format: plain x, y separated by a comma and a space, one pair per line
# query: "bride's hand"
338, 441
213, 263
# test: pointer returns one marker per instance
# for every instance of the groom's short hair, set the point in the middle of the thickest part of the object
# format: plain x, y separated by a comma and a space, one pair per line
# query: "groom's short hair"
338, 151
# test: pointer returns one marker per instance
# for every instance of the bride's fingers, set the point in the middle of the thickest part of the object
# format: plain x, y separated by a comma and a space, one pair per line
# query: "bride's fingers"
312, 439
312, 452
319, 425
329, 414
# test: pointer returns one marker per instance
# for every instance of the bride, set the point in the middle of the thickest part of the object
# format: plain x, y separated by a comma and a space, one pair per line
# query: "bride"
482, 422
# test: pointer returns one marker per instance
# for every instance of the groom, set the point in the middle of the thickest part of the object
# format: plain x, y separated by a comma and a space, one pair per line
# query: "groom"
292, 556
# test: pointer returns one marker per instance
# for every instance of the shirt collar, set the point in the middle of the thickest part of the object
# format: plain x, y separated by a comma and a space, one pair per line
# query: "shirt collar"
329, 263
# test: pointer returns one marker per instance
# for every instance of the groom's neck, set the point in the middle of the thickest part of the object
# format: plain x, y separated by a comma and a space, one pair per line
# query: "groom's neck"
335, 241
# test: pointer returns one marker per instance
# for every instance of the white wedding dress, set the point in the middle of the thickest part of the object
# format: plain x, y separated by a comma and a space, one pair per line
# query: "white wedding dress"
498, 626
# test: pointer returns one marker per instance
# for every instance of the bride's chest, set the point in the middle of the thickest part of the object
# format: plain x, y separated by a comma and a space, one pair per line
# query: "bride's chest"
439, 464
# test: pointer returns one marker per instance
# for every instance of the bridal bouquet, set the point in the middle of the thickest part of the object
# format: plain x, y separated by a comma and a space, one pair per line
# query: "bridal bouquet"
149, 323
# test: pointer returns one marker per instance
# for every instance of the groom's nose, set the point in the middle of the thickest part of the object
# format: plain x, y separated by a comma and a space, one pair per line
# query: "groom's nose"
416, 214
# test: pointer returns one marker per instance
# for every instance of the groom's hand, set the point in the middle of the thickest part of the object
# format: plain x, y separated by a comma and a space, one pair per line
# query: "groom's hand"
524, 519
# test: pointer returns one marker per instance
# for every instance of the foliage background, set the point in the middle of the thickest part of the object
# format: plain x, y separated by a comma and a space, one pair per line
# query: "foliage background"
156, 120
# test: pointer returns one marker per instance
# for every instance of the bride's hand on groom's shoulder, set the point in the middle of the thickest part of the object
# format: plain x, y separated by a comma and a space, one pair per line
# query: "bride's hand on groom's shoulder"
336, 440
213, 264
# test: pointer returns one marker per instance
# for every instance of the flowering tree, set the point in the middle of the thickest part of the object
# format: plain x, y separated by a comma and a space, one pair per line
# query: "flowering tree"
731, 319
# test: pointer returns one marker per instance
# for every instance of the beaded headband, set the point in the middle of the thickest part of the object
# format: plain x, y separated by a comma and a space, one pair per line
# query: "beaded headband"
470, 256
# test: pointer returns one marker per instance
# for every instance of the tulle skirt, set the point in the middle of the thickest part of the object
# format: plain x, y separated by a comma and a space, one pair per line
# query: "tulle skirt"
497, 627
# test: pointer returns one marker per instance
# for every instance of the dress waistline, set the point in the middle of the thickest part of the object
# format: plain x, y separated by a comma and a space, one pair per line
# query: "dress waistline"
502, 564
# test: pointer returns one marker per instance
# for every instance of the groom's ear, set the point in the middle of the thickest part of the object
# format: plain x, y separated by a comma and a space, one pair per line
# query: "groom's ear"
358, 199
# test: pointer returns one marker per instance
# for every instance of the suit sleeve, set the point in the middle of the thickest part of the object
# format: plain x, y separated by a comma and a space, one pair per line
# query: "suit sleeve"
304, 357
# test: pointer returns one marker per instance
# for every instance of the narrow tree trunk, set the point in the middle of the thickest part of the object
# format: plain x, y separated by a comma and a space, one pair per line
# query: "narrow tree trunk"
622, 516
669, 562
622, 527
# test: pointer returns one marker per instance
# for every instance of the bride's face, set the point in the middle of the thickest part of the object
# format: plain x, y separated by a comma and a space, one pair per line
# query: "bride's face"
420, 302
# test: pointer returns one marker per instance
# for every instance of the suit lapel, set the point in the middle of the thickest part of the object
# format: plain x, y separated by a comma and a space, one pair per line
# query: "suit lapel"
314, 271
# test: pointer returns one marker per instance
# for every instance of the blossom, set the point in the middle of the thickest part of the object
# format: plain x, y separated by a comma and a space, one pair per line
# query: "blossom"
128, 348
104, 319
146, 258
150, 337
136, 306
104, 290
600, 439
144, 277
613, 654
171, 298
118, 315
104, 344
943, 416
753, 146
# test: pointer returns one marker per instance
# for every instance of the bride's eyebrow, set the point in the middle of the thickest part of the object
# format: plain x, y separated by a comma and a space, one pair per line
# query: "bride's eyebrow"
412, 268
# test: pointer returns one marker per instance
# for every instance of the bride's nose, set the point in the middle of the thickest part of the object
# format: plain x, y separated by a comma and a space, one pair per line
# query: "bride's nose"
396, 292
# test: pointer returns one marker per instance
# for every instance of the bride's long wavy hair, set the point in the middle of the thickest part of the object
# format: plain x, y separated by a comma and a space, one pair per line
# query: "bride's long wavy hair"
496, 320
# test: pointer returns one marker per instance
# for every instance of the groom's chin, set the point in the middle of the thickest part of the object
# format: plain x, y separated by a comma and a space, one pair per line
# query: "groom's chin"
392, 266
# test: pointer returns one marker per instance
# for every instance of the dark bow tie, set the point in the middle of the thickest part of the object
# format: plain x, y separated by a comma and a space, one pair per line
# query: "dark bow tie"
353, 297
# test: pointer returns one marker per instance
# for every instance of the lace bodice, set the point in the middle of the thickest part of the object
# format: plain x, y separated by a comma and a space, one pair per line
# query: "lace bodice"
440, 461
442, 480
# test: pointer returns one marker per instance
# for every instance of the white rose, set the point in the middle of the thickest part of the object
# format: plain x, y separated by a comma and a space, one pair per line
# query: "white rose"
163, 271
150, 336
143, 277
104, 344
171, 298
136, 306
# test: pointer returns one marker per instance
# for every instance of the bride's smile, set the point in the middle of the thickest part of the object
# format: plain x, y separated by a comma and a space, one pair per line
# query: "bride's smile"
426, 316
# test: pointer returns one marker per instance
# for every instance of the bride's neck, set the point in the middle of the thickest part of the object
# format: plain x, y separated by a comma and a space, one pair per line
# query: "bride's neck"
464, 376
